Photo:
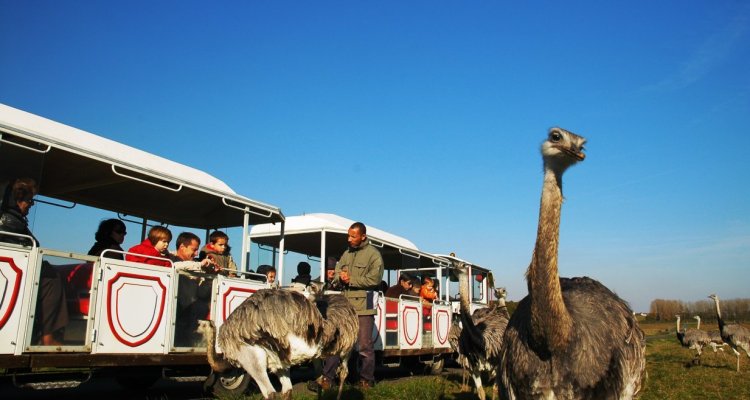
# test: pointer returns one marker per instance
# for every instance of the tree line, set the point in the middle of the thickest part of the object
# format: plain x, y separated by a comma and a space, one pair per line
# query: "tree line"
731, 309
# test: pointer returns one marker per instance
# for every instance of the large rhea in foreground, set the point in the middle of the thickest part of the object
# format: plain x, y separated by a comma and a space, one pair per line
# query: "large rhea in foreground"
570, 338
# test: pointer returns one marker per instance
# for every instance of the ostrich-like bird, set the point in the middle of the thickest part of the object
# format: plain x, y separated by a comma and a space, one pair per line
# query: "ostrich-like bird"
478, 318
735, 335
276, 329
569, 338
694, 339
488, 325
716, 342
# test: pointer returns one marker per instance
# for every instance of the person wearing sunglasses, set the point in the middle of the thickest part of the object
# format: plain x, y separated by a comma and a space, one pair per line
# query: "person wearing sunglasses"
109, 236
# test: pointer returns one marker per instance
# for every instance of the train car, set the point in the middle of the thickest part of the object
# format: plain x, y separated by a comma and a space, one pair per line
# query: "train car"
122, 315
408, 330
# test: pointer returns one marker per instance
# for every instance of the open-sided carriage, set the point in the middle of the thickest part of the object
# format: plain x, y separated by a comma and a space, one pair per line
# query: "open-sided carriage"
407, 329
122, 314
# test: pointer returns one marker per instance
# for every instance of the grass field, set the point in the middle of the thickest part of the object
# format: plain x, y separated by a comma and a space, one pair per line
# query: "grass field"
671, 375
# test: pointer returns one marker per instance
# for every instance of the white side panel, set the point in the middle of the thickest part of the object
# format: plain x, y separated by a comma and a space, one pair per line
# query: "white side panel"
133, 308
231, 293
378, 332
14, 301
441, 324
410, 324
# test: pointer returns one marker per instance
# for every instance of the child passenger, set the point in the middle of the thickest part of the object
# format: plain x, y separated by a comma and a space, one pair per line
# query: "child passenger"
428, 291
270, 273
155, 245
217, 250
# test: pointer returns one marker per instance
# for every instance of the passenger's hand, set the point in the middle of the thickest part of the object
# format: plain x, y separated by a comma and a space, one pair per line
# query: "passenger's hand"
344, 276
209, 265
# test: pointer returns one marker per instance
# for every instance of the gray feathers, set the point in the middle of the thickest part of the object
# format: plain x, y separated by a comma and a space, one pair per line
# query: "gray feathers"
606, 344
275, 329
694, 339
481, 337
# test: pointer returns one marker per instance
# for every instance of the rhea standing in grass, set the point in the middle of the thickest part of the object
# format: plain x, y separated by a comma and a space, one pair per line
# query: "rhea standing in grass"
569, 338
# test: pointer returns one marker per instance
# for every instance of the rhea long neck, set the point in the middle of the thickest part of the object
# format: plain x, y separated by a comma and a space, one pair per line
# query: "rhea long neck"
550, 321
718, 313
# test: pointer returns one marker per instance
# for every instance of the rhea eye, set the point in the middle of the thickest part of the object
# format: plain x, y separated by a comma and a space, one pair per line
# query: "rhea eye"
555, 136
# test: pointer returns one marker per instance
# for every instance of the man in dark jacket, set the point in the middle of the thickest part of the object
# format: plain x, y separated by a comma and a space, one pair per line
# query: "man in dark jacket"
360, 270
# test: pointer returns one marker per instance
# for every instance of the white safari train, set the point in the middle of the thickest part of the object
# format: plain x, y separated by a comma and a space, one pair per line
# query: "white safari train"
122, 315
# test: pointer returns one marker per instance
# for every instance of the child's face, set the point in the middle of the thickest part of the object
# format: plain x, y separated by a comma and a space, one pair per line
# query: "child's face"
161, 245
428, 283
271, 277
220, 245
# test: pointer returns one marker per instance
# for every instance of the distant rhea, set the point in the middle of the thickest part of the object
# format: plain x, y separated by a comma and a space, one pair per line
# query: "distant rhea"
735, 335
569, 338
716, 341
694, 339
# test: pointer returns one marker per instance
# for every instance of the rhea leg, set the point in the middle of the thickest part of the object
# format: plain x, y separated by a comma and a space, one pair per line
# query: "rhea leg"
286, 383
478, 383
343, 371
253, 360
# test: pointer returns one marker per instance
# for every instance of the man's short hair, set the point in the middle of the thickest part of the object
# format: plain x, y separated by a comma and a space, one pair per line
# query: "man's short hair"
185, 238
359, 226
24, 189
405, 277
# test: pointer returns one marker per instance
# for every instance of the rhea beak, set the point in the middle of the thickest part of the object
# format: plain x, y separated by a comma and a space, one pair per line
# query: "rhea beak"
573, 152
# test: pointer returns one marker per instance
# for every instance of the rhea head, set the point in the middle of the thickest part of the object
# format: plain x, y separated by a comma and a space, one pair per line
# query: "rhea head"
562, 149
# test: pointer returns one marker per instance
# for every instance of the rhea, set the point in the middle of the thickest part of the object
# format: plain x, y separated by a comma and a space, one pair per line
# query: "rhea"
569, 338
694, 339
735, 335
716, 341
275, 329
481, 336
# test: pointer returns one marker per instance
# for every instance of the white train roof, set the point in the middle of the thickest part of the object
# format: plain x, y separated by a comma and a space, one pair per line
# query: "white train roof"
81, 167
317, 222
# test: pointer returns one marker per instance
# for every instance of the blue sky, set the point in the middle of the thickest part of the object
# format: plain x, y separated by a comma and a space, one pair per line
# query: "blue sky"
425, 118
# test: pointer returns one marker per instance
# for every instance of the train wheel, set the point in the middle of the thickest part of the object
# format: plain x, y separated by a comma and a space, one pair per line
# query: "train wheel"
231, 383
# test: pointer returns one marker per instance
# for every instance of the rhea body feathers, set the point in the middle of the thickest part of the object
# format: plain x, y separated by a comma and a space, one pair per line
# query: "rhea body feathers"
275, 329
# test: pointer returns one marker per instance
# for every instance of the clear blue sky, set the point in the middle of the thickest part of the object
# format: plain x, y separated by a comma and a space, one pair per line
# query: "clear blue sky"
425, 118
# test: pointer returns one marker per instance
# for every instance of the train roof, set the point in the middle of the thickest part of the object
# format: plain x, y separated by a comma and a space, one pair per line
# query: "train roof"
80, 167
